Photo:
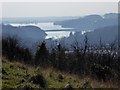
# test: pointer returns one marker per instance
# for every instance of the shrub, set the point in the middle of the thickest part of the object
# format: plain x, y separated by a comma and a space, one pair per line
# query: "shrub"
60, 77
12, 50
101, 72
39, 79
86, 85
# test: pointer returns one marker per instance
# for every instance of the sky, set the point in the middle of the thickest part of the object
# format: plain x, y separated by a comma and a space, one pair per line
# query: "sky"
47, 9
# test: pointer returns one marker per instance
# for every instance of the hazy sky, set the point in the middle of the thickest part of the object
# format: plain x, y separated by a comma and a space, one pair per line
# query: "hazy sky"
44, 9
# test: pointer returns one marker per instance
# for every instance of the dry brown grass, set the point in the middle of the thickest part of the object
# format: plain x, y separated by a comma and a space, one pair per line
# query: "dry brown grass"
77, 81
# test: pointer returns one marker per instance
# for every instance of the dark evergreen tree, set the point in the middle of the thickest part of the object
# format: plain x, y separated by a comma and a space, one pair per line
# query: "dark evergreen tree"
42, 55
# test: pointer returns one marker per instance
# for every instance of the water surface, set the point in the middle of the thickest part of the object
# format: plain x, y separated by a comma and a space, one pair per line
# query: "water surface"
52, 31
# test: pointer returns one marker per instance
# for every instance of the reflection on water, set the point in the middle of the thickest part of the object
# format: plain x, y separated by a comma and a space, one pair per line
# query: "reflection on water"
58, 34
50, 26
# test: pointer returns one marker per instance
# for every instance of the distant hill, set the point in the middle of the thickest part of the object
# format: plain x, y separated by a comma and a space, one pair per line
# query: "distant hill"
104, 27
36, 19
107, 35
90, 22
28, 35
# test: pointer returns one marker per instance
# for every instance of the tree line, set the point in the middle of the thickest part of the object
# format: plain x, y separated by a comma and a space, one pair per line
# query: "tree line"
101, 62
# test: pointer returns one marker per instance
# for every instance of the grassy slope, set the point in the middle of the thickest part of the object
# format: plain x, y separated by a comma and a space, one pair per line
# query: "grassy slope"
17, 71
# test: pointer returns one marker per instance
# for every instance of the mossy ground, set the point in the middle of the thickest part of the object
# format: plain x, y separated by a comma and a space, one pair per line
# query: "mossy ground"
18, 75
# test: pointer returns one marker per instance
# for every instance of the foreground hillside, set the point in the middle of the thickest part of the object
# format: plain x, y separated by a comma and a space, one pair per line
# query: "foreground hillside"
17, 75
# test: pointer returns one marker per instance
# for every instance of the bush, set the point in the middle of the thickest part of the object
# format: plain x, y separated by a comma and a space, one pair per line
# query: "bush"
39, 79
86, 85
60, 77
101, 72
12, 50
